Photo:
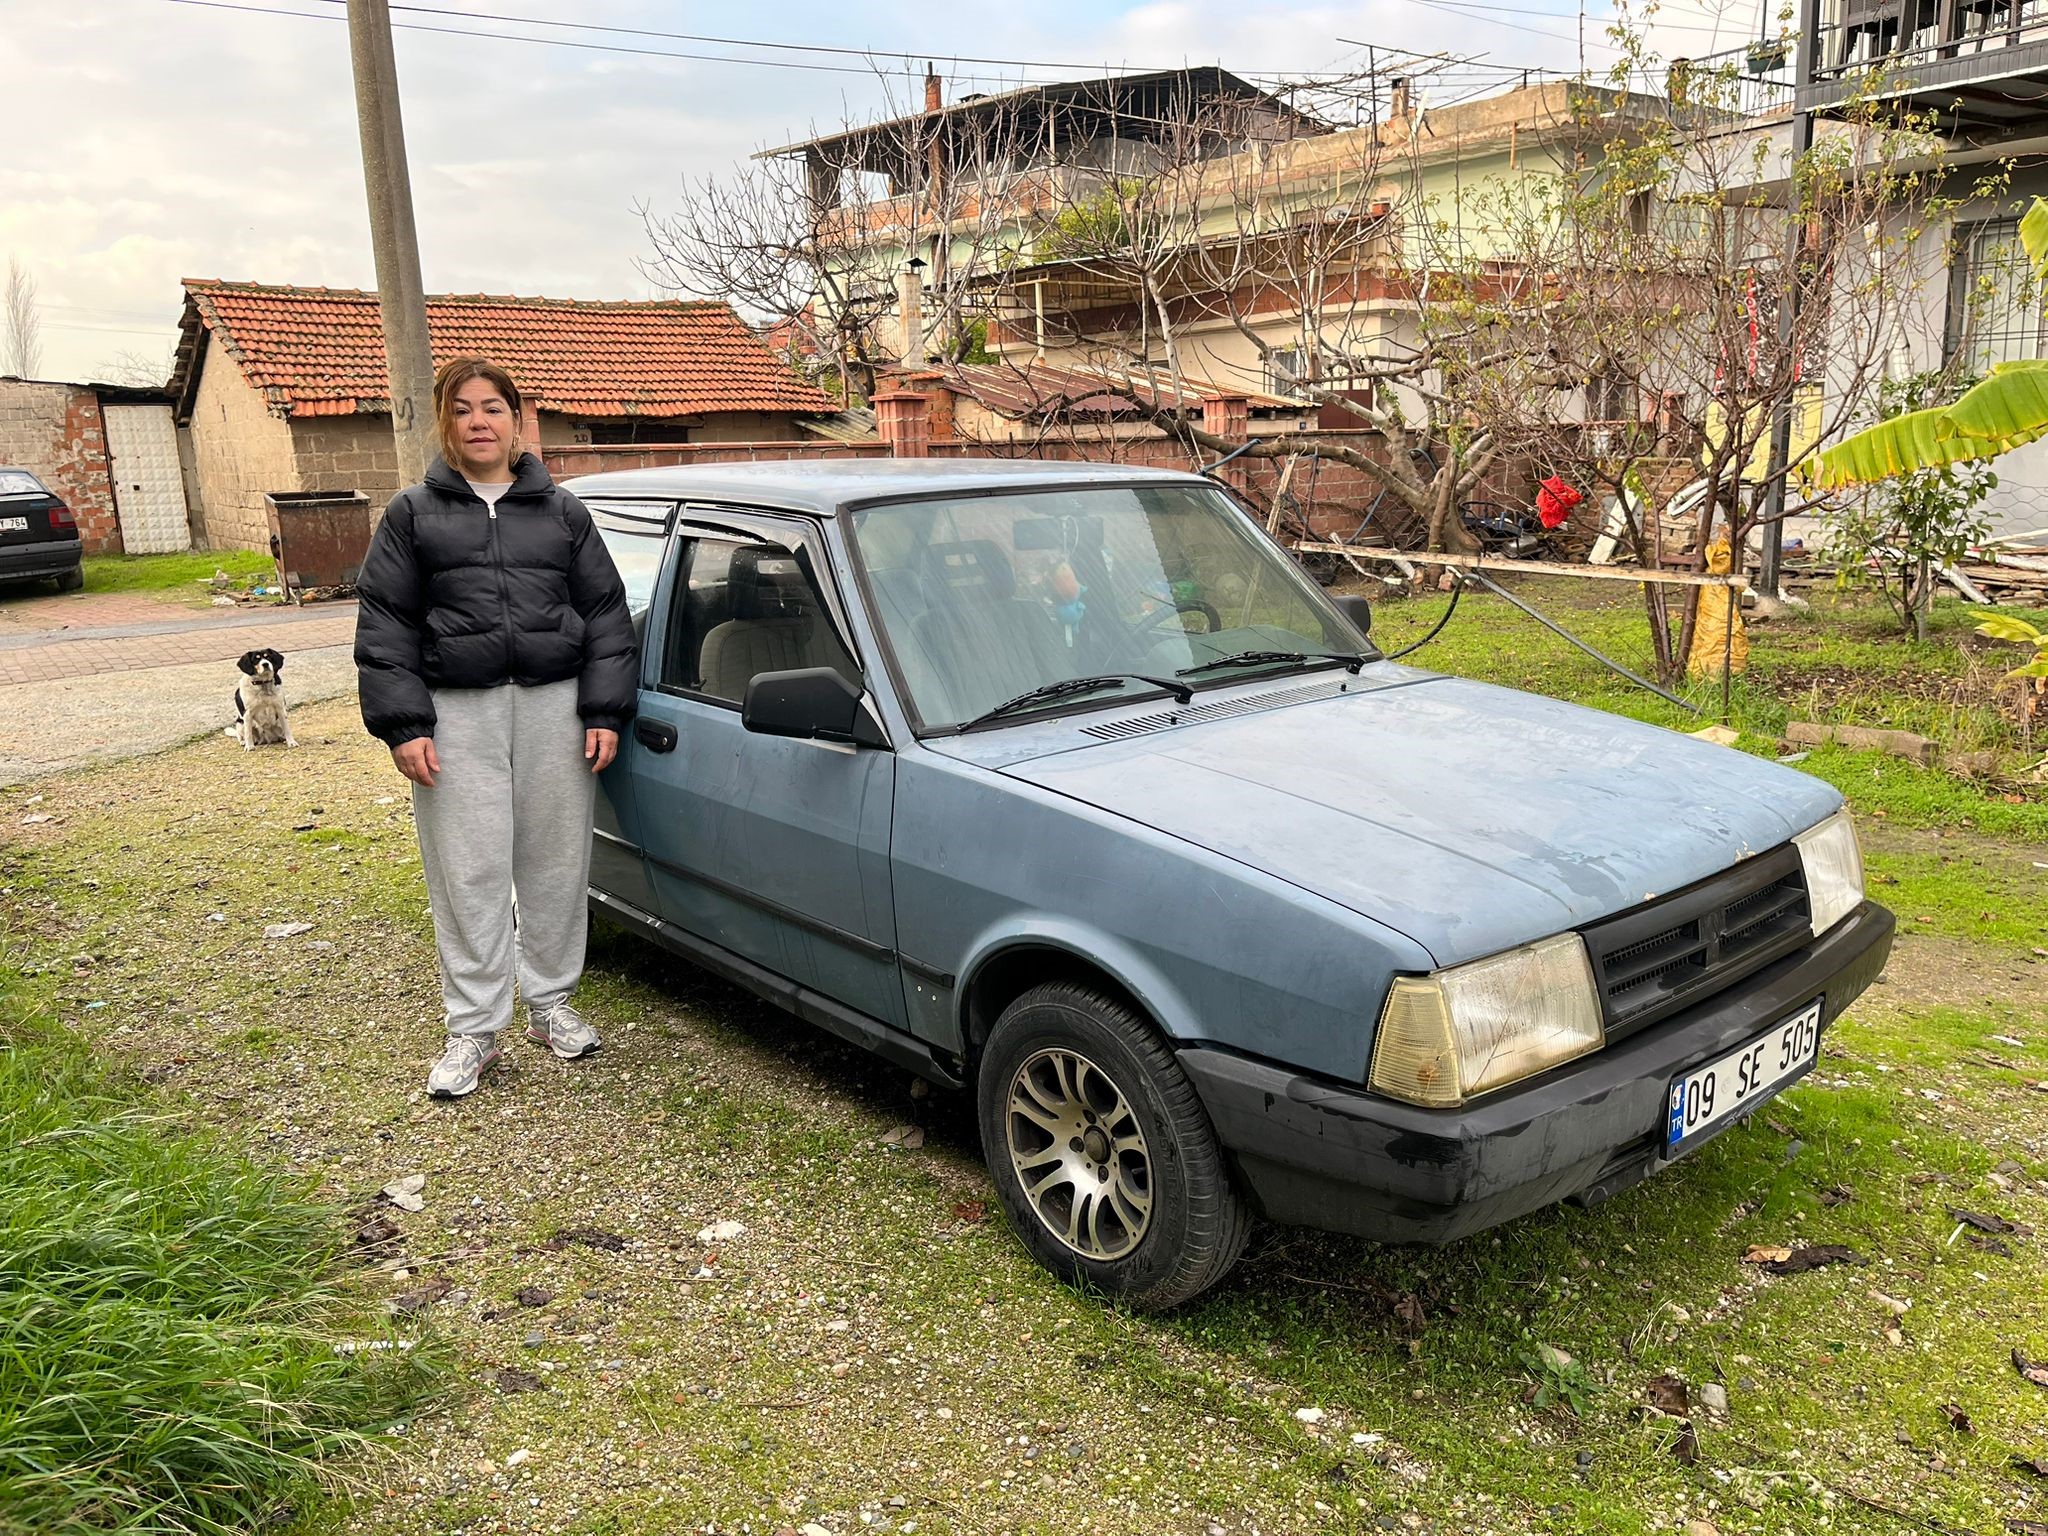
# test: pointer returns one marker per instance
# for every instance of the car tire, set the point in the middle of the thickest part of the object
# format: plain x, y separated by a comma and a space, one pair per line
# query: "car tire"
1163, 1221
71, 581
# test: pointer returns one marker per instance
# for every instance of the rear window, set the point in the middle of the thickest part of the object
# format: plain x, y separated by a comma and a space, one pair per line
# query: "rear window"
19, 482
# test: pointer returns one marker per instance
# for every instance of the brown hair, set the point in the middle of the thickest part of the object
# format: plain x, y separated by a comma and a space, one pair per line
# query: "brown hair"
455, 373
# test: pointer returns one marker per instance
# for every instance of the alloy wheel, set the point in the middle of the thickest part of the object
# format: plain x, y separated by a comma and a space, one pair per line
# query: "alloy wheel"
1079, 1154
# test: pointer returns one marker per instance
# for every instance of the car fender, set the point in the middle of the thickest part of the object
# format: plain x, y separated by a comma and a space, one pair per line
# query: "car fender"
1117, 959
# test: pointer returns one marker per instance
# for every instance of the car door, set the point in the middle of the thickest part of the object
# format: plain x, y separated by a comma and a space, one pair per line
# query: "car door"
774, 849
636, 535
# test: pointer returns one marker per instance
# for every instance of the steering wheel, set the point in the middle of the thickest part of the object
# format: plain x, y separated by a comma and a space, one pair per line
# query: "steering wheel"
1154, 619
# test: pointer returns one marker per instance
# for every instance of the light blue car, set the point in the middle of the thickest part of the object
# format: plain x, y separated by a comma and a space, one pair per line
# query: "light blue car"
1062, 785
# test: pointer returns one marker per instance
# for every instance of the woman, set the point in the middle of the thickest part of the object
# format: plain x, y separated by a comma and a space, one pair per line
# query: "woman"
497, 663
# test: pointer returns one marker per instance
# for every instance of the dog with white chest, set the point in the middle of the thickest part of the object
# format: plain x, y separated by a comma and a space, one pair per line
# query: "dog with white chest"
261, 717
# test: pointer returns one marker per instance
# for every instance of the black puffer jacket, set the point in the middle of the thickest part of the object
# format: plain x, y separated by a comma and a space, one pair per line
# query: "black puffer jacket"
454, 596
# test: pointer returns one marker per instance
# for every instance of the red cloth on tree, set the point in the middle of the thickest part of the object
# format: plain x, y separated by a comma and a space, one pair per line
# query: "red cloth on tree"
1555, 500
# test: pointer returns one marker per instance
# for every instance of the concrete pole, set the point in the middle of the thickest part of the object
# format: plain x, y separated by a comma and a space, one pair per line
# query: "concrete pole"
1771, 564
401, 297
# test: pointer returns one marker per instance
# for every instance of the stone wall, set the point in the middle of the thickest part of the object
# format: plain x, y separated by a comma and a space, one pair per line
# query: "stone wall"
348, 453
56, 432
240, 451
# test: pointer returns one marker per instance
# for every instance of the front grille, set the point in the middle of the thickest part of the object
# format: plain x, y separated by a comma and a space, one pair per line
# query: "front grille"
1682, 948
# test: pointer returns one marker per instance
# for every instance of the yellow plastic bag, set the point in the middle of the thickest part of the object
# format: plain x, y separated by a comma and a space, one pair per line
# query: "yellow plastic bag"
1713, 642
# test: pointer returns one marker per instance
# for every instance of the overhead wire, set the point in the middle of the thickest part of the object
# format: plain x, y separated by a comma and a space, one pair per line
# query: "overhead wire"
561, 42
746, 42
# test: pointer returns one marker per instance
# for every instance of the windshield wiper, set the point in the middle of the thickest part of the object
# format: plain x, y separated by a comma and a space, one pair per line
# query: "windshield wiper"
1351, 660
1072, 686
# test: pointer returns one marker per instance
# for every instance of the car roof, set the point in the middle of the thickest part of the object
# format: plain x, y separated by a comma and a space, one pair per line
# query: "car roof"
823, 485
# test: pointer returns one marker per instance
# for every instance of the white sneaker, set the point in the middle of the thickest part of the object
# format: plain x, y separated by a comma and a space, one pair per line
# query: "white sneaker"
562, 1030
462, 1065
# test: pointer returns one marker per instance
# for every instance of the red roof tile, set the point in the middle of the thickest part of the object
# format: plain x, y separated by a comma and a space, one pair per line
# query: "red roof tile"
320, 351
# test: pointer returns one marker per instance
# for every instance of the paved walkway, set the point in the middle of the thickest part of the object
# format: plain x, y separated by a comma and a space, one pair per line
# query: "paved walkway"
152, 634
85, 677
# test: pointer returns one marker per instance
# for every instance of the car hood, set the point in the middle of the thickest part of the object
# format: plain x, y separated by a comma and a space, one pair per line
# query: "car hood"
1469, 817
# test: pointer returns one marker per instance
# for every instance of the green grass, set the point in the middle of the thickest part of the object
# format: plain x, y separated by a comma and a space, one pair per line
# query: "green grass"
176, 575
708, 1104
169, 1313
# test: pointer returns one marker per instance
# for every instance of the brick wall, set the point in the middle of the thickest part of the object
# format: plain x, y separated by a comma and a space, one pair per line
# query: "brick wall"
55, 430
239, 451
1336, 500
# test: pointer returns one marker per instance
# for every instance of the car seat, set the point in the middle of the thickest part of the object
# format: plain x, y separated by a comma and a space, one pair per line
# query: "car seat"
774, 625
987, 643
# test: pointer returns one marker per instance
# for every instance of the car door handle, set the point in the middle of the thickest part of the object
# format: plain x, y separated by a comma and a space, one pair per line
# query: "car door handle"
655, 735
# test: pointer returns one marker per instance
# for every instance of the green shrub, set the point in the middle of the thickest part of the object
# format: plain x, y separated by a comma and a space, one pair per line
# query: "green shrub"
169, 1316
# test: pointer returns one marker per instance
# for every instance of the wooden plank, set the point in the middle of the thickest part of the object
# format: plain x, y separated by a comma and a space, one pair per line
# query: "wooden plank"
1414, 557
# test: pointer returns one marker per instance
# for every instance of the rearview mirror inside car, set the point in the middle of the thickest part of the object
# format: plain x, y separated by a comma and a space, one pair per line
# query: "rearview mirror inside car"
1061, 533
810, 704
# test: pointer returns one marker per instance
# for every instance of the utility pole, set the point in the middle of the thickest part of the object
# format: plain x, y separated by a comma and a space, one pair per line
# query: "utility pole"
401, 299
1768, 574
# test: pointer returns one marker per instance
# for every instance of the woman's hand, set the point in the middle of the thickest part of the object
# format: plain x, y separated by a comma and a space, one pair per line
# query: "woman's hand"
416, 759
600, 746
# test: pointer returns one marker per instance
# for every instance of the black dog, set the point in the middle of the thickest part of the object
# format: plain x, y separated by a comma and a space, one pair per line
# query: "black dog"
261, 719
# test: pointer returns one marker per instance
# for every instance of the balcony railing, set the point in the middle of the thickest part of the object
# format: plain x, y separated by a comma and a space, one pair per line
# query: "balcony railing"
1755, 81
1860, 35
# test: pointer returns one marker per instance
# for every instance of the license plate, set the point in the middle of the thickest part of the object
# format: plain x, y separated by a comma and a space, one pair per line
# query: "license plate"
1705, 1099
13, 525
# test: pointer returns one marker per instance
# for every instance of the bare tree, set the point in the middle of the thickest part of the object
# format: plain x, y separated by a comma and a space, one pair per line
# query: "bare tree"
1710, 287
21, 340
862, 246
137, 370
1264, 252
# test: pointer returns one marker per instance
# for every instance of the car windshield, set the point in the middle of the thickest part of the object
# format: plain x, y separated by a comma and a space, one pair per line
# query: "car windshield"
984, 598
19, 482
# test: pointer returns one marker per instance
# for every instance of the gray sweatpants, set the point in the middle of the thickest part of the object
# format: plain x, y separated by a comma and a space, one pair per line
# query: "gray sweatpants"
507, 821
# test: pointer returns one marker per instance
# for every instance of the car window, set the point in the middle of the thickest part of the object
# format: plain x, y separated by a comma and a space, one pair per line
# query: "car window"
742, 609
19, 482
984, 598
637, 554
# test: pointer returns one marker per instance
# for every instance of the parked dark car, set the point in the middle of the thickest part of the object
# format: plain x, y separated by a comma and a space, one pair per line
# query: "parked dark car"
1062, 785
38, 534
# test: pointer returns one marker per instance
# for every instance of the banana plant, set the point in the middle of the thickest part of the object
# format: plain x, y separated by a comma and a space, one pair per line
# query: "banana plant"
2004, 626
2006, 409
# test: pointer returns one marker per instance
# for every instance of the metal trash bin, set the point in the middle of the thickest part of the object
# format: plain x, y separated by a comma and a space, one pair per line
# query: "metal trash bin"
318, 538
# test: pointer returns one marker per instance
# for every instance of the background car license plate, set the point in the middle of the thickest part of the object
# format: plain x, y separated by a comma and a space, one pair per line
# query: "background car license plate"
1705, 1099
13, 525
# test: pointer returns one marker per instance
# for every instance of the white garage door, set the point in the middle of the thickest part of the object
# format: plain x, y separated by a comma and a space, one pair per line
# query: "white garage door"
149, 489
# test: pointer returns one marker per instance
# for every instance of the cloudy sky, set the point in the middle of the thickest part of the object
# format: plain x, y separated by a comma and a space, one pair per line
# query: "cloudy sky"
151, 140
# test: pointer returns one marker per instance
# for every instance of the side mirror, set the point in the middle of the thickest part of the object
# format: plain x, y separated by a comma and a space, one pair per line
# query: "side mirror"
810, 704
1358, 611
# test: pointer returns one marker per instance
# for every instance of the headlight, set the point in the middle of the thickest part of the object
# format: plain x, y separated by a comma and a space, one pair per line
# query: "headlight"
1446, 1037
1834, 870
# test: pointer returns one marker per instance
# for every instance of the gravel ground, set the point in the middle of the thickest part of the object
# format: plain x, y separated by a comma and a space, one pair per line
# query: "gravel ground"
49, 727
869, 1351
731, 1276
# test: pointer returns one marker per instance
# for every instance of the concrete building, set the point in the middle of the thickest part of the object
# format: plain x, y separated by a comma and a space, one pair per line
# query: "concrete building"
281, 389
1973, 80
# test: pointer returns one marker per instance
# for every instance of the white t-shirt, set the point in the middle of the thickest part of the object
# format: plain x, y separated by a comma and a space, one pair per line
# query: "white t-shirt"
490, 493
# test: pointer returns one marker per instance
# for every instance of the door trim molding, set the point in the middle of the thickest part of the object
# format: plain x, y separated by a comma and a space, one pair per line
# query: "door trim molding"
865, 947
905, 1050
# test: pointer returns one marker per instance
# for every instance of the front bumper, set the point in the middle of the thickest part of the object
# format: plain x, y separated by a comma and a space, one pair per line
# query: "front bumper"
52, 557
1317, 1153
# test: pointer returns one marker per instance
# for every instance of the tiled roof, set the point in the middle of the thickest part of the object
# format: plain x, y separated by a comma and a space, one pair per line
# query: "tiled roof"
320, 351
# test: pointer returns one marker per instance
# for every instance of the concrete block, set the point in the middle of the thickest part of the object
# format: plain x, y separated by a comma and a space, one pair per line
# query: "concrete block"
1814, 733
